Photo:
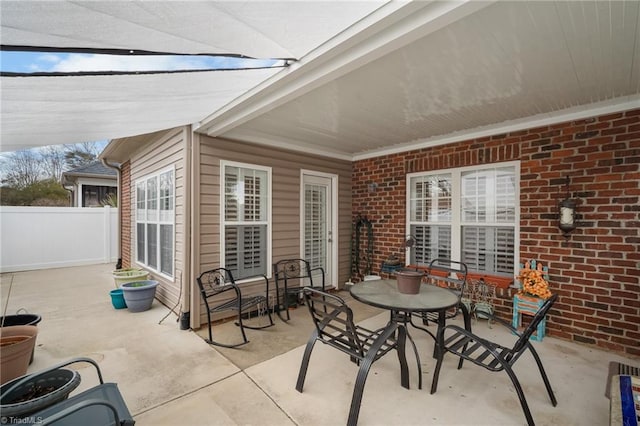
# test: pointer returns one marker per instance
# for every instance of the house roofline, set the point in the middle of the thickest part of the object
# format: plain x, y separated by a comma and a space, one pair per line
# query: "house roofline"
121, 149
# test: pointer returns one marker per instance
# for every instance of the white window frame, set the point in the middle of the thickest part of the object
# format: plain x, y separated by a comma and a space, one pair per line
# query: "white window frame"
456, 197
157, 221
223, 223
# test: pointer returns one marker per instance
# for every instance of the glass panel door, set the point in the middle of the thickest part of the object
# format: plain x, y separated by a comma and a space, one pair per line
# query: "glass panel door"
317, 238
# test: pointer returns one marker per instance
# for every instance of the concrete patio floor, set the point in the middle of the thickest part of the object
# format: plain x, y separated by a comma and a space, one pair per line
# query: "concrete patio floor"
168, 376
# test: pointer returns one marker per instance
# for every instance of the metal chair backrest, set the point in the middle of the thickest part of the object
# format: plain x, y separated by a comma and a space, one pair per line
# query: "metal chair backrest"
215, 281
521, 343
447, 273
333, 321
295, 270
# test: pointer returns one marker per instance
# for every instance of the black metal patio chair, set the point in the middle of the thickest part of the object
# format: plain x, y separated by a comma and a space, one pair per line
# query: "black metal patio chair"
334, 326
291, 277
449, 274
220, 293
495, 357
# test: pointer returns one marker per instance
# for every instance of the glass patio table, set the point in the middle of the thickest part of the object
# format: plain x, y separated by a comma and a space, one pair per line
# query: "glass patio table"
384, 294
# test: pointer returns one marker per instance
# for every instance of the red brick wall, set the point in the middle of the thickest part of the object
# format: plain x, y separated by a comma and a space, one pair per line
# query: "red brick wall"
596, 271
125, 214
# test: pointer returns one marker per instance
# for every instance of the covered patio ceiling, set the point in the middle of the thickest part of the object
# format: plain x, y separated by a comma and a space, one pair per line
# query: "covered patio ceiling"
369, 78
449, 72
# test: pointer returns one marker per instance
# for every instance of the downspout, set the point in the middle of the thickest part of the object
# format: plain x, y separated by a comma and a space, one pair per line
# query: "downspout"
116, 167
185, 304
194, 218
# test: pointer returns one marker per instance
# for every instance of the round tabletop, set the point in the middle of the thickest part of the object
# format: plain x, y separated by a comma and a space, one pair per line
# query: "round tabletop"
384, 294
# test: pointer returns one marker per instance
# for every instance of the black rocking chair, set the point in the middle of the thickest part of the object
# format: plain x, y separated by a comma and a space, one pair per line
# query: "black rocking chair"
495, 357
294, 275
334, 326
215, 286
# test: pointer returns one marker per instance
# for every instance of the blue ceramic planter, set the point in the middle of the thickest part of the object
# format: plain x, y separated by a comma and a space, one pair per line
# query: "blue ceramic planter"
117, 299
139, 295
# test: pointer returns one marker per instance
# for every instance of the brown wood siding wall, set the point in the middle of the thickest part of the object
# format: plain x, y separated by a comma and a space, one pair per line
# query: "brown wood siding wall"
286, 168
164, 152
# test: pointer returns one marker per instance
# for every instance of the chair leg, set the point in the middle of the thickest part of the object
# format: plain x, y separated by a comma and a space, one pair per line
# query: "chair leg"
244, 335
436, 372
286, 303
209, 324
277, 306
552, 397
269, 314
302, 374
520, 393
467, 326
363, 372
213, 342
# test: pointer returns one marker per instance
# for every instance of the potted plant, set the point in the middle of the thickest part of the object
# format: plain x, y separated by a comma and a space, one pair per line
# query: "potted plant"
139, 295
117, 299
409, 281
121, 276
534, 283
18, 342
22, 317
31, 393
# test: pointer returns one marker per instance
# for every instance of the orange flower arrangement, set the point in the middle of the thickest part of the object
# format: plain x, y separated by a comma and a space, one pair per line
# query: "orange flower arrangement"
533, 284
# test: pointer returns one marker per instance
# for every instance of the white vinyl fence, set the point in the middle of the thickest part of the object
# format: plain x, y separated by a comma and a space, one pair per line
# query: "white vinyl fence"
55, 237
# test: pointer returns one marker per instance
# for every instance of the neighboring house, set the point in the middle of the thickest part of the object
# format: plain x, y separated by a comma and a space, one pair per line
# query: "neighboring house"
195, 202
91, 185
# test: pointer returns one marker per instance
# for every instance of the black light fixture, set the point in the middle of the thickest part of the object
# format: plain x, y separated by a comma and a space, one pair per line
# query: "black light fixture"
567, 216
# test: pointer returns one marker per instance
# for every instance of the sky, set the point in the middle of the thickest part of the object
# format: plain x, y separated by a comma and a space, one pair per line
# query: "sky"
30, 62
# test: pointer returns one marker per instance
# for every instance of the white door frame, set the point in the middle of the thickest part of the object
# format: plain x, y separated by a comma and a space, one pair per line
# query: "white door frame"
332, 248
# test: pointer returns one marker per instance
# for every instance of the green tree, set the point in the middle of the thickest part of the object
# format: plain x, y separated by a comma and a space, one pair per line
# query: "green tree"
42, 193
28, 177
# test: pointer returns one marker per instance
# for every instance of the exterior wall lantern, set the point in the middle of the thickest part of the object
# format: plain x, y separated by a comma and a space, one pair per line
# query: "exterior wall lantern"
567, 216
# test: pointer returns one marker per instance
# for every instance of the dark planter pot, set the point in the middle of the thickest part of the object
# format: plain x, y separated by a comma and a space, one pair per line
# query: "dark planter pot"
409, 281
139, 295
21, 319
28, 394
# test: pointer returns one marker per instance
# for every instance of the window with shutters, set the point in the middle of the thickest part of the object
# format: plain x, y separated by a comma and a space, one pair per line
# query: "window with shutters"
155, 221
246, 221
466, 214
